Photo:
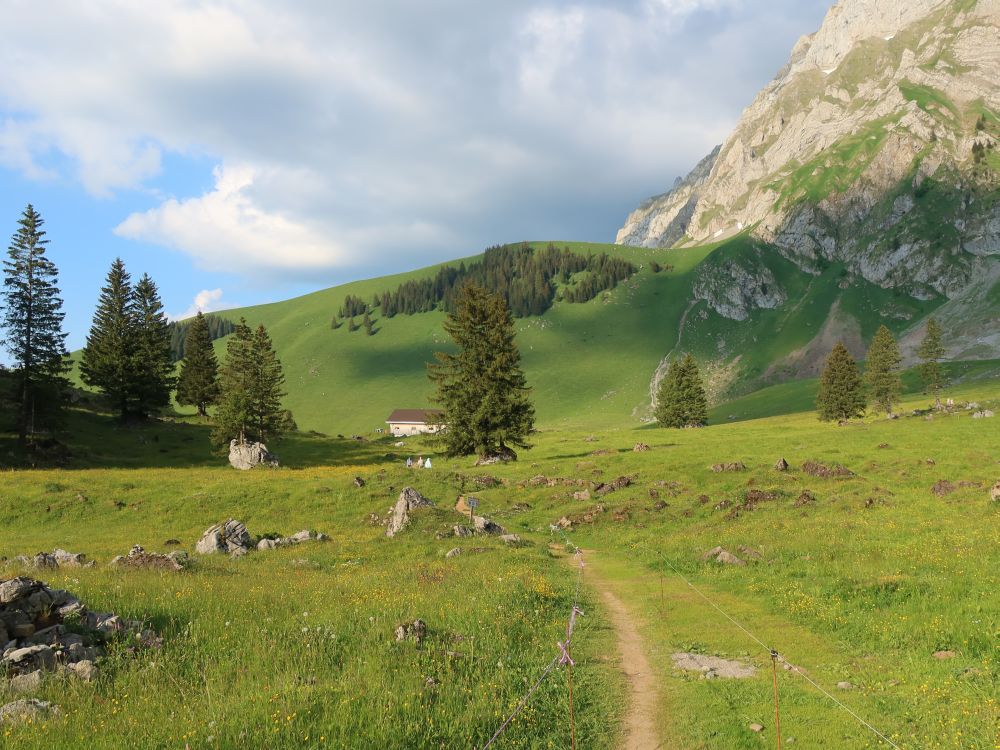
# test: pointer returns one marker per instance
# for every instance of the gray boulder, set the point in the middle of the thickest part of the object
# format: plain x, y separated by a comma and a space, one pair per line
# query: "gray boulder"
224, 538
484, 525
246, 456
409, 499
26, 710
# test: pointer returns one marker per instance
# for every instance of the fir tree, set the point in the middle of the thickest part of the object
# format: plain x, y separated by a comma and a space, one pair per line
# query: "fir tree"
930, 352
841, 395
107, 362
250, 386
33, 322
198, 384
482, 388
681, 400
152, 365
368, 325
882, 370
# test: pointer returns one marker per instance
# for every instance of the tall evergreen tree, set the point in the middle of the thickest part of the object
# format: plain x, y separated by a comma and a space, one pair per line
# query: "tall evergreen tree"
153, 365
680, 399
882, 371
33, 322
482, 388
250, 383
198, 384
930, 352
109, 354
841, 394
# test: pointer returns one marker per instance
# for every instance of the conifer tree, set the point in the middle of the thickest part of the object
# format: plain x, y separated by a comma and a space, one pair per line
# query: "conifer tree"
482, 388
930, 352
250, 385
841, 395
882, 371
33, 322
198, 384
153, 367
109, 354
369, 326
680, 399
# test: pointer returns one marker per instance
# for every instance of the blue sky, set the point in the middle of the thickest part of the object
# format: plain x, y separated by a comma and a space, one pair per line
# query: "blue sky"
244, 152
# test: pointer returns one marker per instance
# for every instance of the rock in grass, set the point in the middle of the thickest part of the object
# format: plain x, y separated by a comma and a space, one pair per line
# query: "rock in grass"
411, 631
137, 557
224, 538
17, 588
26, 710
455, 552
995, 493
246, 456
781, 465
757, 728
720, 555
731, 466
640, 448
943, 655
409, 499
844, 685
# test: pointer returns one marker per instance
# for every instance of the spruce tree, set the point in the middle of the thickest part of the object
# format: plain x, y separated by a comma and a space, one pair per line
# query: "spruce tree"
250, 383
680, 398
109, 354
153, 367
482, 388
369, 326
930, 352
841, 395
198, 384
33, 322
882, 371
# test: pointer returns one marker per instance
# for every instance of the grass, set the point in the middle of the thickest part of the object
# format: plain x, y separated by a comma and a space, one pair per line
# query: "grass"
269, 651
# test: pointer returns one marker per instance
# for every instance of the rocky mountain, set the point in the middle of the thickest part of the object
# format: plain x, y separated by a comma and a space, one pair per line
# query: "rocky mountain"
875, 147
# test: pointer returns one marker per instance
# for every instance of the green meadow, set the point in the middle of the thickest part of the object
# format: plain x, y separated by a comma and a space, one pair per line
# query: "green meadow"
861, 582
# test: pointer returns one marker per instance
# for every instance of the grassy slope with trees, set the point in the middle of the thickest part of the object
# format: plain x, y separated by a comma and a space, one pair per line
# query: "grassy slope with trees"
590, 364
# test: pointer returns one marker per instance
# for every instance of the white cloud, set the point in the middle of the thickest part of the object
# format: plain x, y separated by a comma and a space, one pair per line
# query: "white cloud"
355, 134
225, 230
207, 300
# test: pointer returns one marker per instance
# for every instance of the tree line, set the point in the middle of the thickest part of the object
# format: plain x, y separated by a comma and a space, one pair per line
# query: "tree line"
129, 355
218, 328
528, 279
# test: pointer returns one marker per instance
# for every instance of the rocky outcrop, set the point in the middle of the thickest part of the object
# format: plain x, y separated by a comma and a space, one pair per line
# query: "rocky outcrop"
869, 148
306, 535
137, 557
246, 456
57, 558
736, 286
409, 500
230, 536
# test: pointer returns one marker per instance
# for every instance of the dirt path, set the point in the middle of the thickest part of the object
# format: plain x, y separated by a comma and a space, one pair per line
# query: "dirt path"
640, 721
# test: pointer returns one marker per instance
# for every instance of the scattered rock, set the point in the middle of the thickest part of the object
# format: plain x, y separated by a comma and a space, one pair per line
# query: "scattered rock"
504, 455
511, 540
563, 523
756, 728
943, 487
733, 466
483, 525
995, 493
942, 655
844, 685
883, 446
713, 666
224, 538
806, 498
455, 552
246, 456
411, 631
720, 555
359, 482
781, 465
749, 552
27, 683
460, 530
983, 414
640, 448
28, 710
817, 469
137, 557
57, 558
486, 481
582, 495
409, 499
618, 484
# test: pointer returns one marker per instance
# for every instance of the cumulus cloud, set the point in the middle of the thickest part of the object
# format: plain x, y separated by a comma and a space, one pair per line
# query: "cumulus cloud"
207, 300
361, 135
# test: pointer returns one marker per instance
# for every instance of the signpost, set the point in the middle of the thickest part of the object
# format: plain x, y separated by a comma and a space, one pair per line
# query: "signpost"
473, 503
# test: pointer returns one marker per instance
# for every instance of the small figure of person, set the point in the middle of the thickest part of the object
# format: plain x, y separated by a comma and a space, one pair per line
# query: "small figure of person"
427, 463
409, 462
420, 462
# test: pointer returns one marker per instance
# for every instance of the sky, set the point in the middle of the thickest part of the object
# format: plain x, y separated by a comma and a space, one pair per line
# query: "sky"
242, 152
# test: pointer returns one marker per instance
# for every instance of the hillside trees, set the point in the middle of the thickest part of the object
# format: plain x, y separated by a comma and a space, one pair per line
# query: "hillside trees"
930, 352
882, 371
127, 354
250, 385
198, 383
218, 328
482, 389
33, 323
841, 394
680, 398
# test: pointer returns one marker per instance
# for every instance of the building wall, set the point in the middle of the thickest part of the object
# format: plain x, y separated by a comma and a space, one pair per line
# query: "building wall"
402, 430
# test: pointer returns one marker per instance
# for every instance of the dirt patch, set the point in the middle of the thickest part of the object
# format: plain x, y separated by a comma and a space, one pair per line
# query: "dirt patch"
943, 487
734, 466
816, 469
712, 667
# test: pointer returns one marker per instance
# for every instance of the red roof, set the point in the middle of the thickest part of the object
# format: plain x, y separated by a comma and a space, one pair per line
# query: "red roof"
416, 416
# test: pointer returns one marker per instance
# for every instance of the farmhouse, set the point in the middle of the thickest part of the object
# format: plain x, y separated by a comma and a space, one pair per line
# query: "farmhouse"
414, 421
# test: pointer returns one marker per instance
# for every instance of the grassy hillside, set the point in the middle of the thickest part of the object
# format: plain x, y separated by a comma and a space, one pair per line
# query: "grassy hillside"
590, 364
862, 583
